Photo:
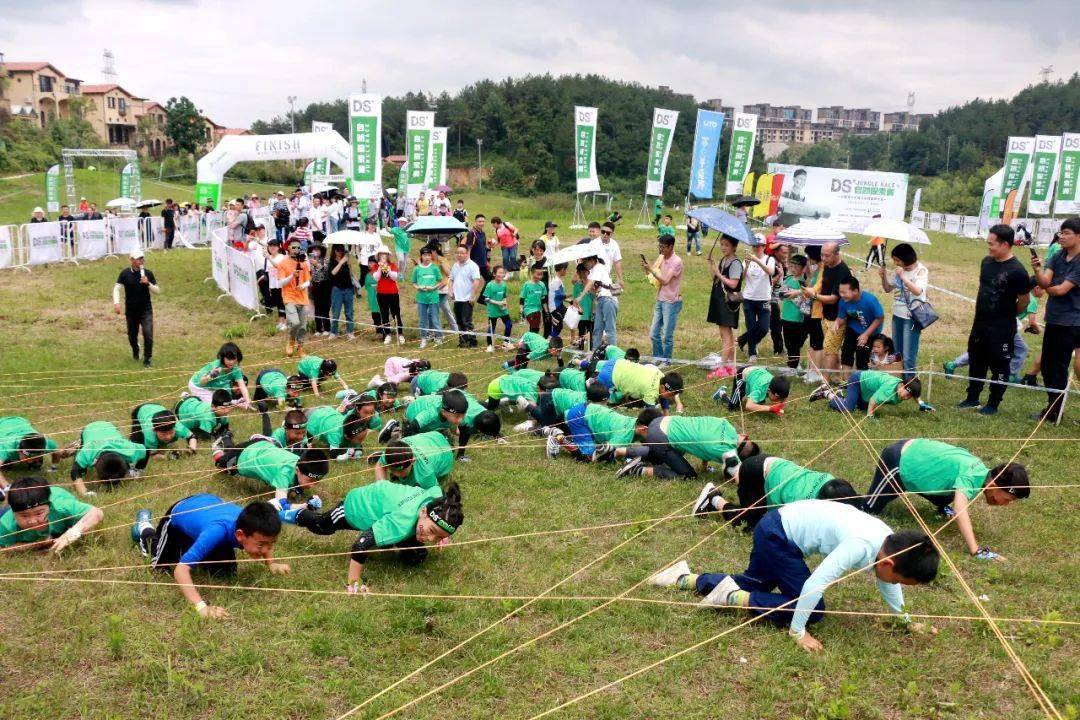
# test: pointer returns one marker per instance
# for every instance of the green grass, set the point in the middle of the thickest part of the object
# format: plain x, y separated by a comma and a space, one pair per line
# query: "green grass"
101, 650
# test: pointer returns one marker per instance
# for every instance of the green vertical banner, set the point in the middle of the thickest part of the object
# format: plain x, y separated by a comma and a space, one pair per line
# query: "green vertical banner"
52, 189
208, 194
403, 180
437, 170
1017, 161
136, 180
365, 141
660, 137
585, 149
125, 181
322, 164
741, 152
309, 175
1043, 170
418, 127
1066, 199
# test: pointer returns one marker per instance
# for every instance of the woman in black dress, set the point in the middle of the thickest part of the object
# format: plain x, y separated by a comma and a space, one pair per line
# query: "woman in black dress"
725, 299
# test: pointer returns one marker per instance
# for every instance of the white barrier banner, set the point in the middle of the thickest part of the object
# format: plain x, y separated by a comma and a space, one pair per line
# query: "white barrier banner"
969, 226
243, 286
7, 248
93, 239
153, 233
219, 260
125, 235
210, 223
187, 230
952, 223
1044, 234
918, 218
44, 242
934, 221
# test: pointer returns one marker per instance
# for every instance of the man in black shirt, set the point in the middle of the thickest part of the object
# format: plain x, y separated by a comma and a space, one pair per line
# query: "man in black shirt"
93, 214
67, 226
1004, 287
169, 216
476, 241
833, 272
138, 283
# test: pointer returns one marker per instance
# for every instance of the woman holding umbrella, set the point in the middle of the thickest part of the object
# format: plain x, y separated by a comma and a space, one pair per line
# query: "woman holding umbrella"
725, 299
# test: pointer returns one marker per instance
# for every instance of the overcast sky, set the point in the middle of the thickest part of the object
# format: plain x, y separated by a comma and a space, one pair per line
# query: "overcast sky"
240, 60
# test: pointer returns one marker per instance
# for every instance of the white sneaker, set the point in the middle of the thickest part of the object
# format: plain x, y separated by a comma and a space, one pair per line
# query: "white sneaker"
524, 427
670, 575
551, 432
388, 340
490, 349
351, 336
751, 360
423, 344
552, 448
332, 336
709, 487
350, 454
523, 403
281, 327
375, 382
400, 339
504, 402
721, 593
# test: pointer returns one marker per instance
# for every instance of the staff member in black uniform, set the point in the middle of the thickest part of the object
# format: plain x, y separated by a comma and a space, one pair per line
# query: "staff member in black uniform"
138, 283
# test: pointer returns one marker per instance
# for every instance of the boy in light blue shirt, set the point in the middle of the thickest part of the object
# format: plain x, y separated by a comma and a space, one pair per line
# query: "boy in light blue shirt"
777, 576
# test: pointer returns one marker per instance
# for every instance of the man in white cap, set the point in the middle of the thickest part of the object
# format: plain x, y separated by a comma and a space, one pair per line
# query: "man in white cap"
38, 216
138, 283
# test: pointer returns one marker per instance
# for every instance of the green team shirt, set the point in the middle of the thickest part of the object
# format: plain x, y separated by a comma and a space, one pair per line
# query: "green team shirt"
880, 387
430, 382
64, 512
757, 384
564, 399
265, 461
12, 430
786, 482
280, 439
640, 381
663, 230
608, 426
931, 467
375, 422
789, 309
326, 427
145, 417
707, 438
1032, 307
196, 414
274, 384
390, 510
532, 297
426, 412
371, 288
427, 277
402, 241
613, 352
572, 379
434, 459
537, 345
472, 411
101, 437
223, 381
496, 291
308, 367
521, 383
586, 301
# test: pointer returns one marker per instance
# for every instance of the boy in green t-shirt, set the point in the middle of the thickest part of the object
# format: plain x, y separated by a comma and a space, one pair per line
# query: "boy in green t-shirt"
112, 456
533, 346
272, 384
402, 243
387, 515
762, 391
498, 308
292, 435
427, 279
42, 517
371, 292
666, 228
156, 428
262, 460
23, 447
204, 419
312, 369
430, 382
533, 294
667, 438
868, 390
527, 383
950, 478
424, 460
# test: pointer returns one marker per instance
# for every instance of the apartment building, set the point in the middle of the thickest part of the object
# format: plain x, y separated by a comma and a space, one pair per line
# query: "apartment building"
37, 91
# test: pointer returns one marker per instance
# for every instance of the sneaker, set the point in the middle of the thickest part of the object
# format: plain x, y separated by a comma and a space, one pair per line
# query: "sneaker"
524, 427
146, 363
142, 522
504, 402
350, 454
988, 410
1014, 379
314, 503
631, 468
731, 463
947, 511
704, 503
552, 447
1030, 380
1042, 416
949, 367
752, 360
550, 431
423, 344
387, 432
387, 340
604, 453
281, 327
375, 381
721, 593
720, 396
400, 339
820, 393
670, 575
698, 253
490, 349
351, 336
332, 336
523, 404
813, 377
967, 404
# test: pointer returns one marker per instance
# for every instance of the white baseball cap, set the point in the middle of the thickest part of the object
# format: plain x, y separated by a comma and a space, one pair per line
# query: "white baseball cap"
136, 254
38, 209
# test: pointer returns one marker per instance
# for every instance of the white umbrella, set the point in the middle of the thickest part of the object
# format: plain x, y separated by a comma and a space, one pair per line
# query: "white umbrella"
812, 232
572, 254
120, 202
351, 237
147, 203
896, 230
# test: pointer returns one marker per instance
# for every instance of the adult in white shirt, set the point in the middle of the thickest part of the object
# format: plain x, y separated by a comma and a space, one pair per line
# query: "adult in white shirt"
317, 219
467, 283
609, 251
606, 308
757, 296
551, 240
908, 283
333, 216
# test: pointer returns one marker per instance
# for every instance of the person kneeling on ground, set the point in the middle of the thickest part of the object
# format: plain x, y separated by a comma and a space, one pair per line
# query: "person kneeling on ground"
40, 516
452, 412
525, 383
763, 392
387, 515
596, 431
272, 384
204, 420
21, 446
766, 481
950, 478
314, 370
155, 428
777, 576
204, 531
870, 389
429, 382
112, 456
668, 438
263, 460
423, 460
646, 383
397, 370
533, 347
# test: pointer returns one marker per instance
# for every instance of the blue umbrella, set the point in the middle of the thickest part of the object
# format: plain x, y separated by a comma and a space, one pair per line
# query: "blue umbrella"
724, 223
436, 225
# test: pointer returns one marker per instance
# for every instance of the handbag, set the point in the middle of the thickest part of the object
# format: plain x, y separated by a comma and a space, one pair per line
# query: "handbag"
922, 312
733, 297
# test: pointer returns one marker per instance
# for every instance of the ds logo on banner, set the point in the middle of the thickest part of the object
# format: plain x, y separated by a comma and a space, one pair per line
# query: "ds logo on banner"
664, 119
840, 185
1071, 142
744, 123
418, 121
1045, 144
1017, 145
362, 106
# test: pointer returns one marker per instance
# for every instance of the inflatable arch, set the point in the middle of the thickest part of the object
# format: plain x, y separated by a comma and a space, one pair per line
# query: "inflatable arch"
211, 168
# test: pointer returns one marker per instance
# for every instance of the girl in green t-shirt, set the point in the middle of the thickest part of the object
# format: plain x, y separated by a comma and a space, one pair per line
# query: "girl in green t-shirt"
427, 279
792, 323
498, 308
583, 335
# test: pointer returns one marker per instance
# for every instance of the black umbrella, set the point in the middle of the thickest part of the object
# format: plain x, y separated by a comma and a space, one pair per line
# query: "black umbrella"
745, 201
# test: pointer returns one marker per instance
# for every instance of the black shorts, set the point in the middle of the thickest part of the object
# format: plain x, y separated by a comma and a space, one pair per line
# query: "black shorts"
851, 354
170, 545
814, 333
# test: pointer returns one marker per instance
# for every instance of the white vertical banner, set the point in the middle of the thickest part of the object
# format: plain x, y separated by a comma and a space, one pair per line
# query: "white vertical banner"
952, 224
663, 132
915, 201
92, 239
741, 152
7, 246
585, 149
1043, 173
418, 128
365, 139
243, 287
437, 168
44, 242
219, 259
125, 234
934, 221
969, 226
322, 165
1067, 197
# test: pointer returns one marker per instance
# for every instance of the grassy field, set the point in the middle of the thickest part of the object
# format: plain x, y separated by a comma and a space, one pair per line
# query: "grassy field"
104, 638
